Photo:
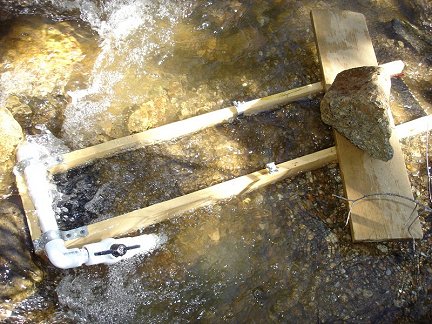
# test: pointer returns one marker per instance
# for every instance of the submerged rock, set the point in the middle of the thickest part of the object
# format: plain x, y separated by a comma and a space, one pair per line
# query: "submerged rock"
39, 62
357, 105
222, 48
147, 115
420, 11
10, 136
46, 8
419, 40
18, 272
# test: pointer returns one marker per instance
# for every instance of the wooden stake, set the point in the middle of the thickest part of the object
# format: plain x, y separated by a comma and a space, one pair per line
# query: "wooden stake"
141, 218
414, 127
182, 127
30, 210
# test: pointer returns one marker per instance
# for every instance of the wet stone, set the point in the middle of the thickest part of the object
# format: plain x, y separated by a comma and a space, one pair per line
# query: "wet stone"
382, 248
18, 273
19, 109
10, 136
332, 238
37, 64
357, 105
417, 39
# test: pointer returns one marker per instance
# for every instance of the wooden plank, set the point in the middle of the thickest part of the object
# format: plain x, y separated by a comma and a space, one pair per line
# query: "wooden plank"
141, 218
29, 208
182, 127
414, 127
343, 42
260, 105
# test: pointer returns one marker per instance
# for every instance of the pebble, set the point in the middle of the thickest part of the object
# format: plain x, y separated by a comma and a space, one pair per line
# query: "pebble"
382, 248
246, 201
332, 238
259, 199
343, 298
217, 209
215, 236
388, 272
367, 293
263, 226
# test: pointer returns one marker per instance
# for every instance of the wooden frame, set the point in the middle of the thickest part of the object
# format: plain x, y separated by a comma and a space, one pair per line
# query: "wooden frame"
138, 219
141, 218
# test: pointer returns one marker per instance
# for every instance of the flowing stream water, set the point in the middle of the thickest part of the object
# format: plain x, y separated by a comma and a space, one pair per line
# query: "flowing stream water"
280, 254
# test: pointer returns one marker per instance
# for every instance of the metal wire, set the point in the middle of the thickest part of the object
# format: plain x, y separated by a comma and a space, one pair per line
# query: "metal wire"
427, 164
388, 194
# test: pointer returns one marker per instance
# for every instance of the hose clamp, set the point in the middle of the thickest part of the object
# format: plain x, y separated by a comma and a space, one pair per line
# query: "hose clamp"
48, 236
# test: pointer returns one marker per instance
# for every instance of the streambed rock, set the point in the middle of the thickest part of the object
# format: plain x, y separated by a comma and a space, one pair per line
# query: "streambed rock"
39, 62
416, 38
18, 272
10, 136
357, 105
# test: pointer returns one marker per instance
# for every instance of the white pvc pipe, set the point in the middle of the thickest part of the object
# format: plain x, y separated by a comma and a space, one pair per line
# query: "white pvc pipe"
146, 243
39, 188
90, 254
64, 258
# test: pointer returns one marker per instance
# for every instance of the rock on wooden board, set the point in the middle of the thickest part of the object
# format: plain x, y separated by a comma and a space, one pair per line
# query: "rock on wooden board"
358, 105
343, 43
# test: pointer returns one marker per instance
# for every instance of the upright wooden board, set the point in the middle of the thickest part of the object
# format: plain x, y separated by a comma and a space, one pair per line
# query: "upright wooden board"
343, 42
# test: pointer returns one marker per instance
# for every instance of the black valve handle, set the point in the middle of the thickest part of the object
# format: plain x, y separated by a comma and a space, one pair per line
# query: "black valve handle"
118, 250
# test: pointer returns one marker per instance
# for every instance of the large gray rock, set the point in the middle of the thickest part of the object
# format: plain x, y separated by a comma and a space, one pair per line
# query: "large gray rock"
18, 273
10, 136
357, 105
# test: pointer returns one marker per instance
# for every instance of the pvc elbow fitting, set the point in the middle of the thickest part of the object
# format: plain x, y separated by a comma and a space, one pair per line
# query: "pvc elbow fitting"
64, 258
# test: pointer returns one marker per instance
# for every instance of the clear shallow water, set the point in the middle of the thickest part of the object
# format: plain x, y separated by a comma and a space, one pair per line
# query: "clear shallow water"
165, 62
280, 254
